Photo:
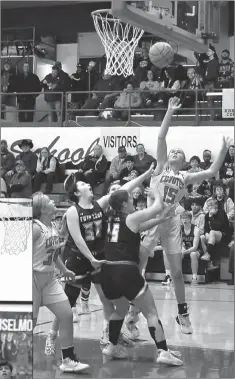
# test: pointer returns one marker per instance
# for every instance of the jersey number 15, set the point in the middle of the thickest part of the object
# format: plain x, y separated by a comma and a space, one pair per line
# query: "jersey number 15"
169, 195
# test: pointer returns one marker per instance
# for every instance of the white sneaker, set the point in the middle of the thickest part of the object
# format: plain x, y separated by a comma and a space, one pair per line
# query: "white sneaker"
115, 351
185, 324
75, 314
50, 347
133, 331
194, 282
124, 340
105, 337
168, 358
69, 365
85, 307
206, 257
167, 281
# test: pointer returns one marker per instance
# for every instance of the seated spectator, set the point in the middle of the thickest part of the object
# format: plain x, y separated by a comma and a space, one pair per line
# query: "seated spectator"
224, 202
231, 262
114, 186
47, 170
198, 191
195, 164
6, 370
142, 160
226, 70
127, 173
19, 183
3, 188
207, 160
198, 215
216, 230
102, 100
190, 243
126, 101
117, 164
136, 193
141, 71
52, 84
194, 81
172, 85
153, 86
141, 203
27, 82
7, 159
94, 167
226, 172
27, 156
78, 84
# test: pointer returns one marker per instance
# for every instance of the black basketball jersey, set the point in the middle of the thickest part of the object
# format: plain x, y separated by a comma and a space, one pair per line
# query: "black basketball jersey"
122, 244
93, 228
188, 239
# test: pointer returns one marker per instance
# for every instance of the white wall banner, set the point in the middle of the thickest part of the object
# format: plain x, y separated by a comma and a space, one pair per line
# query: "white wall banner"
73, 144
228, 103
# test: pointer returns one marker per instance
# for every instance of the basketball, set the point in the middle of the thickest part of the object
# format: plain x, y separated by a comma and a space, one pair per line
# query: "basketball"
161, 54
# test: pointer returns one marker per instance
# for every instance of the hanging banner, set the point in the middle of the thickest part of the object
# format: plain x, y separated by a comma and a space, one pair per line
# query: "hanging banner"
228, 103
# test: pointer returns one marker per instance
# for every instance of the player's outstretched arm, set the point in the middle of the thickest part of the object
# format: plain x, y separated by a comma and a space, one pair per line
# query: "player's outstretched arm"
134, 220
129, 186
173, 105
198, 177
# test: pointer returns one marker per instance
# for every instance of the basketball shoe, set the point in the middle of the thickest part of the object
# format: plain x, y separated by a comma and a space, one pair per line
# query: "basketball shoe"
105, 337
167, 281
75, 314
115, 351
194, 282
50, 347
85, 307
169, 358
73, 365
184, 323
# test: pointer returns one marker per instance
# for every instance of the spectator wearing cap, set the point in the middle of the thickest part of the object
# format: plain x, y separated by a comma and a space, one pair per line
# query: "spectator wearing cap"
129, 171
78, 84
19, 183
210, 77
116, 166
142, 160
7, 159
27, 82
47, 170
224, 202
52, 84
226, 70
3, 188
94, 167
27, 156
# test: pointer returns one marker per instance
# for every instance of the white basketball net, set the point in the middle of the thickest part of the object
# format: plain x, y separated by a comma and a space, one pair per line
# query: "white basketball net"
17, 227
119, 41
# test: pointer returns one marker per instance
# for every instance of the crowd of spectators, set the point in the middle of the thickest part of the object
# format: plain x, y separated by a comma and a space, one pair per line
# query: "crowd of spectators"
211, 202
149, 87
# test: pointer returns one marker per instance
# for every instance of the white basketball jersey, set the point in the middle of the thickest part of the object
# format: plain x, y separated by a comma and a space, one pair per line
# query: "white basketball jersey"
46, 249
171, 186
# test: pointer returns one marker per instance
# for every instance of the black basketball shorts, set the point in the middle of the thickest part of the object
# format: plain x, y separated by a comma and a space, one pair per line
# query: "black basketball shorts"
80, 265
121, 280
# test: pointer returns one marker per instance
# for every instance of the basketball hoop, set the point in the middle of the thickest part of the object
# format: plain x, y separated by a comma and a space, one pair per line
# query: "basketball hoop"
16, 217
119, 40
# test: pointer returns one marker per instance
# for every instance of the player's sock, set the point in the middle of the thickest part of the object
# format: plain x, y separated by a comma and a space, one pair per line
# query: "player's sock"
194, 276
67, 352
53, 333
182, 308
210, 249
168, 272
160, 344
115, 327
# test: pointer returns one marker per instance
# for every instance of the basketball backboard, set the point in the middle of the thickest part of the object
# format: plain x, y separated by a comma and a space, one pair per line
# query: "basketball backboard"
165, 19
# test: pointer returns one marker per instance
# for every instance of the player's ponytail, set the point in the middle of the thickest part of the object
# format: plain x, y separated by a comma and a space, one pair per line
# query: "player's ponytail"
38, 204
70, 187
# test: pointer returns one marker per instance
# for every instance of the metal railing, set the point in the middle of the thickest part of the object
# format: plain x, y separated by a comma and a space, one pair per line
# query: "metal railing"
205, 106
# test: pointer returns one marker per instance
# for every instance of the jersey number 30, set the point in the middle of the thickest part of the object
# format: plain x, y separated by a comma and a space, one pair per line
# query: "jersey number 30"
169, 195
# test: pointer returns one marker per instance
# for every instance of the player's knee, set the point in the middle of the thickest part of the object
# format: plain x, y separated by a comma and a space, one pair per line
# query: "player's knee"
194, 255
